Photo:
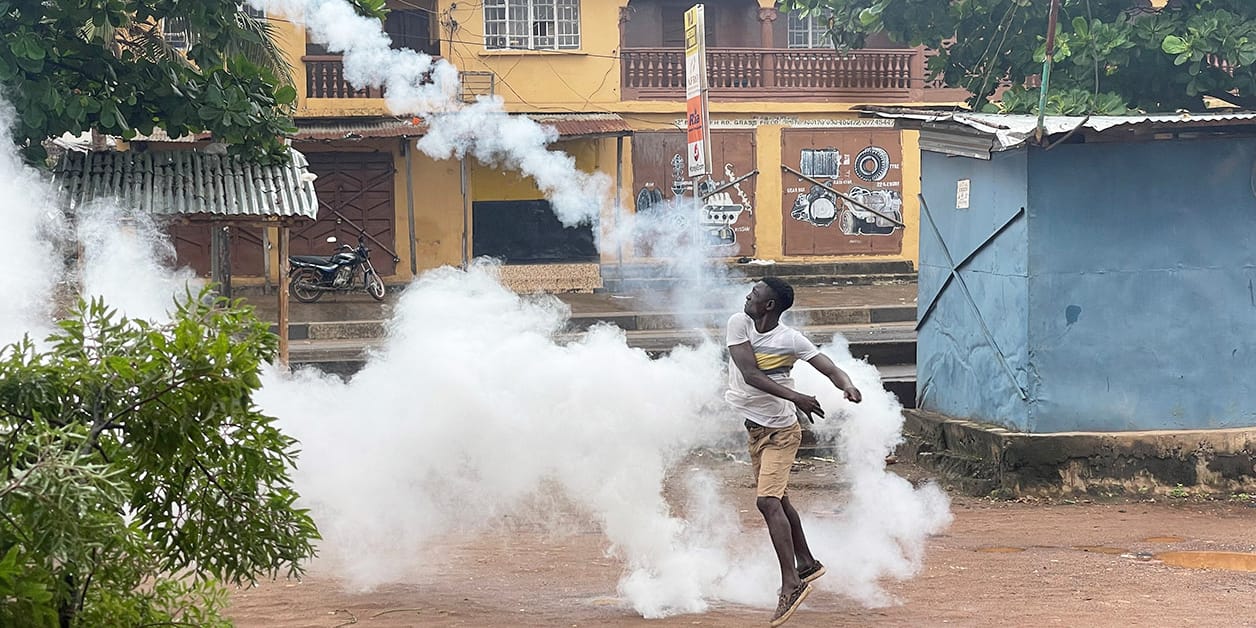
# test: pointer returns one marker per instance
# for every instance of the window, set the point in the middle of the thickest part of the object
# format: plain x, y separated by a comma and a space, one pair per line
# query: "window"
175, 31
412, 29
531, 24
251, 12
178, 36
809, 32
409, 24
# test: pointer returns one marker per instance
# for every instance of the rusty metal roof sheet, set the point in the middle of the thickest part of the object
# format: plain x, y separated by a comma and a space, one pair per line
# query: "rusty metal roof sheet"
1012, 130
568, 126
327, 129
584, 125
188, 182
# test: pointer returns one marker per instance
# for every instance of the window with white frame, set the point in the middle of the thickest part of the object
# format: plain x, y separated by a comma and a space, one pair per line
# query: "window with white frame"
811, 31
178, 35
531, 24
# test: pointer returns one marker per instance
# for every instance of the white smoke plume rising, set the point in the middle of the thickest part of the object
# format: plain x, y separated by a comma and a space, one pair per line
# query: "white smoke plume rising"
128, 261
884, 521
414, 84
473, 408
31, 223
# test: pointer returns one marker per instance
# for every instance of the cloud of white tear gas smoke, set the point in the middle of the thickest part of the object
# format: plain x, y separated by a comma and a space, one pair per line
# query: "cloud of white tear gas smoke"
694, 281
414, 84
31, 224
129, 261
473, 407
880, 528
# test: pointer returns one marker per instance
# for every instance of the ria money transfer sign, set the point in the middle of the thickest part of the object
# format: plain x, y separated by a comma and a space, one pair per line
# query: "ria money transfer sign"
698, 154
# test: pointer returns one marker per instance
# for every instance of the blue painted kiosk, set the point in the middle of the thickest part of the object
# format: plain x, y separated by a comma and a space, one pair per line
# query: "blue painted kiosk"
1099, 279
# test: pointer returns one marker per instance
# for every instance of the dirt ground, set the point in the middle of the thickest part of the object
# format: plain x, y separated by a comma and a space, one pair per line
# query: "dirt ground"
999, 563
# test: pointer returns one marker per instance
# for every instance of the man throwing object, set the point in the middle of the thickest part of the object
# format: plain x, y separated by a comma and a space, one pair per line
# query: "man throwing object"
762, 352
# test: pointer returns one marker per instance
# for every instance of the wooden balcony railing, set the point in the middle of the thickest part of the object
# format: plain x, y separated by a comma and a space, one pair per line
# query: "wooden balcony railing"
325, 78
777, 74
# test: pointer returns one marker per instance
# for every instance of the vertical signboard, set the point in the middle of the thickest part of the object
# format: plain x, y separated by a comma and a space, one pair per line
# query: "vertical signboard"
698, 154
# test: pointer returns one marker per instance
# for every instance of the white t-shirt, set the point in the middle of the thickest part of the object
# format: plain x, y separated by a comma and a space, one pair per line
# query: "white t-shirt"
775, 352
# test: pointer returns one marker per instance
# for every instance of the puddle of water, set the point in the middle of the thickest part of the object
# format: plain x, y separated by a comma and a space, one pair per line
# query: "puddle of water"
1000, 550
1101, 549
1231, 561
1163, 539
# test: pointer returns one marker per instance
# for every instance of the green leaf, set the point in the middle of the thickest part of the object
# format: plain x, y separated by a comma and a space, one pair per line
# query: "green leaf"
1174, 45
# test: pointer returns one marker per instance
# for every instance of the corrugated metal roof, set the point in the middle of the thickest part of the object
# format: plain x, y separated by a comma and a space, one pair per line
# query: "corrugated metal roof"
1012, 130
189, 182
568, 125
584, 125
357, 128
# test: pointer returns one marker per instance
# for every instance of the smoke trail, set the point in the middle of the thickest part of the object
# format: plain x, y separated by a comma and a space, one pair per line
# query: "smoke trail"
884, 522
129, 262
415, 84
473, 408
31, 225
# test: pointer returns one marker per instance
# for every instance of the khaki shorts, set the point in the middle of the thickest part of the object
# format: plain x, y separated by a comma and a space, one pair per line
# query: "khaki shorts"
772, 452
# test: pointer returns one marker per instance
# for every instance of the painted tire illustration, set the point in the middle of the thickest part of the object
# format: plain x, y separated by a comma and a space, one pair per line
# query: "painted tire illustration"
872, 163
846, 222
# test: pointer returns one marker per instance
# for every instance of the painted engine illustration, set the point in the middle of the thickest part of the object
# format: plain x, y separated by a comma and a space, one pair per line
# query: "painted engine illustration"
821, 207
721, 209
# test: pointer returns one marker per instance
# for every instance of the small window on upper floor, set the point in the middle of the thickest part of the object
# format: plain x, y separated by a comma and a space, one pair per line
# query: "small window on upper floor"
532, 24
811, 31
175, 31
251, 12
409, 24
179, 36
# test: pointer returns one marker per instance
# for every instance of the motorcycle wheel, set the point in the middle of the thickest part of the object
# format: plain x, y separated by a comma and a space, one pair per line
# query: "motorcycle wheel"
375, 287
303, 285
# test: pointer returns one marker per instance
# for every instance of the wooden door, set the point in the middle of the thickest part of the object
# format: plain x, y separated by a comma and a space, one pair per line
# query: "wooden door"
360, 187
861, 163
661, 185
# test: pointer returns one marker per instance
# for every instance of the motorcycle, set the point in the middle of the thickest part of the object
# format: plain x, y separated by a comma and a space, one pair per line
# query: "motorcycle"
313, 275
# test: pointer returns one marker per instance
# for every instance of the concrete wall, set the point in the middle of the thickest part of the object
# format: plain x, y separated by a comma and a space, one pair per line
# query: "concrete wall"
958, 370
1143, 260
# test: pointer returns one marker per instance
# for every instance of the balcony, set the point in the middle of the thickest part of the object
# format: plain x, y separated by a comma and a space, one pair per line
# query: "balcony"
779, 74
325, 78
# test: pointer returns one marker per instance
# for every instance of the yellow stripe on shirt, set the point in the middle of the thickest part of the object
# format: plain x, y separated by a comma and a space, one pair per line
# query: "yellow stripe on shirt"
772, 362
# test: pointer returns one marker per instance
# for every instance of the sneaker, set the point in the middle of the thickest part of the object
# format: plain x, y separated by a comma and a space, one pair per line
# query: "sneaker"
811, 573
790, 603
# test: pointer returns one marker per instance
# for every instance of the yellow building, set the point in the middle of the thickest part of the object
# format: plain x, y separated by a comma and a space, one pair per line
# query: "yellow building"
609, 75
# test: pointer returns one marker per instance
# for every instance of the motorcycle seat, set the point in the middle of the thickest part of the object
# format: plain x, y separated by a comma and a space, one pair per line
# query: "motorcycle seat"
317, 260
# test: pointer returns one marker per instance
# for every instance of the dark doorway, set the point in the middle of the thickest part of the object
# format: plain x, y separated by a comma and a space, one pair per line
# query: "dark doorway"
526, 232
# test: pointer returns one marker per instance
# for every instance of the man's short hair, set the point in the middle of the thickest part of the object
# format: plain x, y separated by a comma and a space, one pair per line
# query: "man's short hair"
783, 291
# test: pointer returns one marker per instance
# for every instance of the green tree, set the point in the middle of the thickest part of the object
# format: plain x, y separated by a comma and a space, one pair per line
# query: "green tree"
1111, 55
75, 65
136, 473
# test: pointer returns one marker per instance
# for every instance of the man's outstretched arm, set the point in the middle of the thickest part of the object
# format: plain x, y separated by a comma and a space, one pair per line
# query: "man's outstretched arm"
836, 375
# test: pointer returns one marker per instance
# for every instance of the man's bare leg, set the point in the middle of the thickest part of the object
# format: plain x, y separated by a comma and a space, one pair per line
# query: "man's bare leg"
802, 552
780, 529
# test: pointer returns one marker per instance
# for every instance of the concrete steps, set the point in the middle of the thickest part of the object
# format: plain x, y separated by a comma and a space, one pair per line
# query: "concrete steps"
337, 333
643, 277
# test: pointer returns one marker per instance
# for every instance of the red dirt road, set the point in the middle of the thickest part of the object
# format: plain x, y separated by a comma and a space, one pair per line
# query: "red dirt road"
999, 563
